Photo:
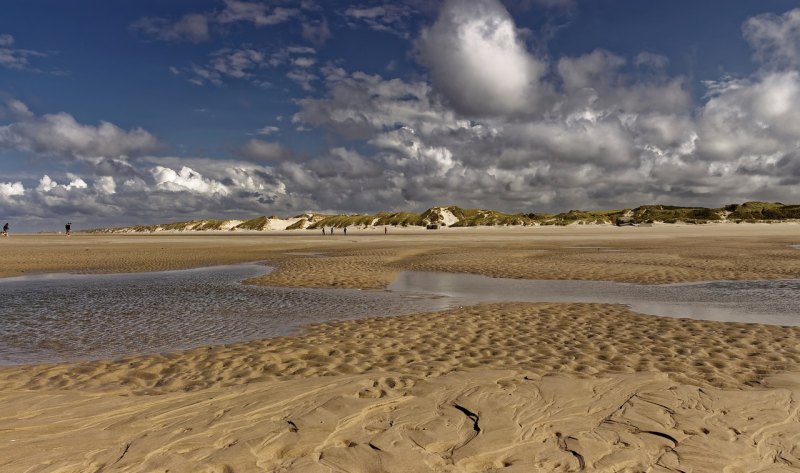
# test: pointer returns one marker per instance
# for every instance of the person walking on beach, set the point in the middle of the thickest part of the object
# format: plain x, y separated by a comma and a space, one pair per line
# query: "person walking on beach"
345, 231
68, 227
323, 231
5, 230
331, 231
385, 230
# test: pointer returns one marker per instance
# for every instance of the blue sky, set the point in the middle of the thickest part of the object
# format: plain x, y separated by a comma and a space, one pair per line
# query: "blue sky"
145, 111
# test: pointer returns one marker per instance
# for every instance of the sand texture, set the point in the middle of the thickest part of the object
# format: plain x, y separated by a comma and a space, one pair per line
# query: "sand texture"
468, 421
503, 387
495, 387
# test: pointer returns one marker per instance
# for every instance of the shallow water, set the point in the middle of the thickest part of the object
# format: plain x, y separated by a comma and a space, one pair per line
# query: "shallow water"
775, 302
61, 317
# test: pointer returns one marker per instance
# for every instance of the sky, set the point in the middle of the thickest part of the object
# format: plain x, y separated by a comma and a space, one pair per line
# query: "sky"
144, 111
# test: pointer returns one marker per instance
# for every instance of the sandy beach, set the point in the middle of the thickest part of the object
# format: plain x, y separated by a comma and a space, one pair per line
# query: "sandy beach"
497, 387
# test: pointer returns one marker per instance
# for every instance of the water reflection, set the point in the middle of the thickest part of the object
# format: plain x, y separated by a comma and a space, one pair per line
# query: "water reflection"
771, 302
51, 318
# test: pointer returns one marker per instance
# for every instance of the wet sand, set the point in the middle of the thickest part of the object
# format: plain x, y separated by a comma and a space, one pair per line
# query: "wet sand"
500, 387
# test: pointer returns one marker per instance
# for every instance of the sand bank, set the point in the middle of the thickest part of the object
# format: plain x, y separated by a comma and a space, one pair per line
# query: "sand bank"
502, 387
369, 259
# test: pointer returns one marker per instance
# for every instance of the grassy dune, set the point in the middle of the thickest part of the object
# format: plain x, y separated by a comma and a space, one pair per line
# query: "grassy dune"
454, 216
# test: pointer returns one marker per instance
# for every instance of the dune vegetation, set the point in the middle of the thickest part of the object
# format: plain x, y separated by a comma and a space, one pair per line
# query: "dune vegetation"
453, 216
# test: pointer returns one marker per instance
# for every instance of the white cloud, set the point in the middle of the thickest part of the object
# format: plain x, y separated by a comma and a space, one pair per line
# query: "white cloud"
304, 61
10, 189
61, 134
478, 61
267, 130
303, 78
46, 184
775, 39
106, 185
186, 180
751, 118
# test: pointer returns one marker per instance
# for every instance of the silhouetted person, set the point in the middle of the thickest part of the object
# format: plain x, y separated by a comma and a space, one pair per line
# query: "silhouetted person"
385, 230
68, 227
323, 230
345, 231
331, 230
5, 230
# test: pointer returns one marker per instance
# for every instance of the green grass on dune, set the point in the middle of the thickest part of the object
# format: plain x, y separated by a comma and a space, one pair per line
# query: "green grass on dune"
746, 212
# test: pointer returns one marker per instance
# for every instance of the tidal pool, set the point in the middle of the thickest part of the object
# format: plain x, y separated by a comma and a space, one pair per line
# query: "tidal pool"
775, 302
64, 317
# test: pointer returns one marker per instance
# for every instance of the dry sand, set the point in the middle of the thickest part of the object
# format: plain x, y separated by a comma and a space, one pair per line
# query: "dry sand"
502, 387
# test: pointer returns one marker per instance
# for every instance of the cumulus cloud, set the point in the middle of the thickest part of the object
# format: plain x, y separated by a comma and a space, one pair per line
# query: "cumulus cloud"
757, 117
10, 189
61, 134
186, 179
46, 184
775, 39
478, 61
106, 185
608, 134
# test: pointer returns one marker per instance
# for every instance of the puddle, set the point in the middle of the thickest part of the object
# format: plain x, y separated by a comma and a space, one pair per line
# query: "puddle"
774, 302
63, 317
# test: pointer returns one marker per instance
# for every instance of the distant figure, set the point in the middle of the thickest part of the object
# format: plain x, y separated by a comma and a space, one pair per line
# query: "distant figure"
323, 230
385, 230
5, 230
331, 230
345, 231
68, 227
